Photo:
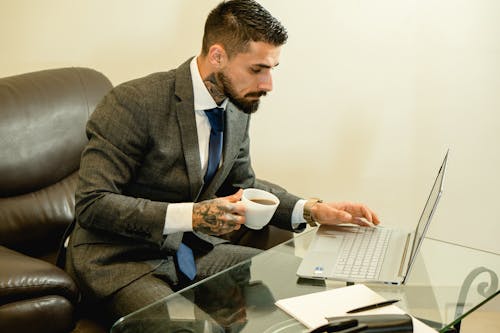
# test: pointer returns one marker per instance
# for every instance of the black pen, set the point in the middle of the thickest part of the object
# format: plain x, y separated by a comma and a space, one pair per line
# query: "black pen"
373, 306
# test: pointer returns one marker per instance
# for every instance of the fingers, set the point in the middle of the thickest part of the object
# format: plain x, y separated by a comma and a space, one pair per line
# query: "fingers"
218, 216
232, 214
347, 212
366, 213
369, 215
375, 219
361, 222
235, 207
342, 216
232, 219
232, 208
235, 197
362, 213
326, 214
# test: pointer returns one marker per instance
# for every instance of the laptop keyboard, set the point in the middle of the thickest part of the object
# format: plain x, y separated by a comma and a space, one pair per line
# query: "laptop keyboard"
362, 253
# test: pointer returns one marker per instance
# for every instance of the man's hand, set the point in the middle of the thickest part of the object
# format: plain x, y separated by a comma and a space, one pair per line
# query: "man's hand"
344, 212
219, 216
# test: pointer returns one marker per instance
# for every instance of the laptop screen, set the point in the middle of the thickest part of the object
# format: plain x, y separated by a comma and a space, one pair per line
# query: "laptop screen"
429, 209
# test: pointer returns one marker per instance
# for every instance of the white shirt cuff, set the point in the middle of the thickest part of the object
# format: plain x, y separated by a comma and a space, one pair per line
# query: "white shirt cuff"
179, 218
298, 214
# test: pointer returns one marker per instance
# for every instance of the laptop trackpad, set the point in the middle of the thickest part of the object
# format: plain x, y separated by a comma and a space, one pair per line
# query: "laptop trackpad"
330, 243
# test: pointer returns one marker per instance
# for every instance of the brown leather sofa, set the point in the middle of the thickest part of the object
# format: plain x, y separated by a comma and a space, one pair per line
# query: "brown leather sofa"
42, 134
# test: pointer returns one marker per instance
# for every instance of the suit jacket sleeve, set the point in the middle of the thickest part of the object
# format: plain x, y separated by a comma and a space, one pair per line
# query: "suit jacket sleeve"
118, 140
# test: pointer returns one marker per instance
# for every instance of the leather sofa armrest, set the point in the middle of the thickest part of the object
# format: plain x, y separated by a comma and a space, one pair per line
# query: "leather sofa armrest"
23, 277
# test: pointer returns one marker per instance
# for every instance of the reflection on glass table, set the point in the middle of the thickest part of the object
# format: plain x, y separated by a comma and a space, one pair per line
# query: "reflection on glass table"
448, 282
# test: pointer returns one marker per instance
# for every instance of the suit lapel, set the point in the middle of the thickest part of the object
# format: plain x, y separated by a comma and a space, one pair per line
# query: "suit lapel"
187, 125
234, 133
236, 125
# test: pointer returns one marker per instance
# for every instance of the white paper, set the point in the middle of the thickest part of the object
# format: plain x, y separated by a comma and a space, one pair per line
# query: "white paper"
312, 309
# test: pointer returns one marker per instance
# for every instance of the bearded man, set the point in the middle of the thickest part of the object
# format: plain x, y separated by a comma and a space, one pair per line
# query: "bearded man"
153, 204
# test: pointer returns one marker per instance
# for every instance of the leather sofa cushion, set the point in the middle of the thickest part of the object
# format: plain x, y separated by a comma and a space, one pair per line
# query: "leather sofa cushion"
31, 223
48, 314
23, 277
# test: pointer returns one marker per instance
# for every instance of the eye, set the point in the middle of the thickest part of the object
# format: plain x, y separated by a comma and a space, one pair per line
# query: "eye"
256, 70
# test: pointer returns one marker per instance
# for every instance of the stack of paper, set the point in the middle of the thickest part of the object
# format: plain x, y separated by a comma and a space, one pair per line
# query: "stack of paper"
312, 309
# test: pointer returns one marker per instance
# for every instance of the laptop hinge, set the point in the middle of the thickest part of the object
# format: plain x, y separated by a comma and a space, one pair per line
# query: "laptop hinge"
405, 252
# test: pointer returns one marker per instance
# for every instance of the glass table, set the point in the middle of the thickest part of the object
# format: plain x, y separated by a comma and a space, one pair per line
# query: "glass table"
448, 282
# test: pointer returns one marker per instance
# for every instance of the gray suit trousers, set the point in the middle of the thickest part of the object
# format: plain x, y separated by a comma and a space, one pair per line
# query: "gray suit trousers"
151, 288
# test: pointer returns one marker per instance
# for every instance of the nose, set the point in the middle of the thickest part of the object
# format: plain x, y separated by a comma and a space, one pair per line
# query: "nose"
266, 82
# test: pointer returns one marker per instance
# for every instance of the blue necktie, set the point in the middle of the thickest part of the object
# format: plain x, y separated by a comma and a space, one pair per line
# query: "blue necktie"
216, 118
185, 258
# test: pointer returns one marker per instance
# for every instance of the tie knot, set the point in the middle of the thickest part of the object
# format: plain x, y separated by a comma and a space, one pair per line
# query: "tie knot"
216, 118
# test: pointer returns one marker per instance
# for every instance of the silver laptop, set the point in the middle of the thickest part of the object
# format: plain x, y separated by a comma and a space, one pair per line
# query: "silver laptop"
369, 254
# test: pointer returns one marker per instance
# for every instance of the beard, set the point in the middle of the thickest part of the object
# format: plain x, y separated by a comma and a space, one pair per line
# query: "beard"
242, 102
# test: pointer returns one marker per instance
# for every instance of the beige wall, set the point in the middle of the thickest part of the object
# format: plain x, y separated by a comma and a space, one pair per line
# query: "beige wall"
369, 94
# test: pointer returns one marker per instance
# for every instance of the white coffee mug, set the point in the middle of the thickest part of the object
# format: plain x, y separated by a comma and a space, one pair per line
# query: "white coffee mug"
260, 206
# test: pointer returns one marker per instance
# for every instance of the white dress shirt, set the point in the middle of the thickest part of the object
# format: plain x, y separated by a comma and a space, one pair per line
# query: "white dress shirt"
179, 217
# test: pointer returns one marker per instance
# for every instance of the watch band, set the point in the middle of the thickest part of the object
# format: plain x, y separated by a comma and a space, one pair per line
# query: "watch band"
307, 211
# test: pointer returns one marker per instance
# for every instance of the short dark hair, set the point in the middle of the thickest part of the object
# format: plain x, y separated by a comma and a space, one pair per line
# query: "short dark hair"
236, 23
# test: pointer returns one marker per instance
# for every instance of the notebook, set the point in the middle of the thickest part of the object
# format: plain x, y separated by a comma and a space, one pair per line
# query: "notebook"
369, 254
312, 309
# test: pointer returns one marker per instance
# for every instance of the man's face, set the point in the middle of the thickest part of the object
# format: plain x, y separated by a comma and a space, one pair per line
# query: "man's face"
247, 76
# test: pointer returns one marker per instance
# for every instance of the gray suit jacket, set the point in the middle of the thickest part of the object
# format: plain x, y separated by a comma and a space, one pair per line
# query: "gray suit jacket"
142, 155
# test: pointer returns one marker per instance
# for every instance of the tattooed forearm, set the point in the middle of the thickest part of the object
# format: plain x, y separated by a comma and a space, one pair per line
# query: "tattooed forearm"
216, 93
214, 217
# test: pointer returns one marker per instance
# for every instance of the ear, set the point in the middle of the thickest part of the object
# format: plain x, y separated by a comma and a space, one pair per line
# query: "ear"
217, 55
